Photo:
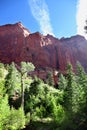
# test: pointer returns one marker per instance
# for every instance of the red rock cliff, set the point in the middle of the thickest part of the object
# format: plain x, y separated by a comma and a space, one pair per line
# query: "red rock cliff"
18, 44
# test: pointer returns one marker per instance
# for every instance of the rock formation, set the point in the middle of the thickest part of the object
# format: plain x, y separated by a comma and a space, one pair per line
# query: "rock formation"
18, 44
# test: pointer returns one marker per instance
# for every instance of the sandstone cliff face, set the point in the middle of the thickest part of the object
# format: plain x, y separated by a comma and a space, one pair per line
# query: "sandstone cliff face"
18, 44
12, 40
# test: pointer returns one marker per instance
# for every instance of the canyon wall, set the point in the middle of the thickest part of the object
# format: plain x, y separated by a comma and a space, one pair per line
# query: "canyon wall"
18, 44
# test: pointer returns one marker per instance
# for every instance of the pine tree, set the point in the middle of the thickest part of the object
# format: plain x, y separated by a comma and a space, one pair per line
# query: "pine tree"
82, 98
49, 79
62, 83
69, 90
2, 70
12, 80
25, 68
70, 98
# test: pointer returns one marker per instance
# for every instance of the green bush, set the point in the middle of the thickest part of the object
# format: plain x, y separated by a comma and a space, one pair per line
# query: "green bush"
4, 112
16, 119
27, 118
58, 114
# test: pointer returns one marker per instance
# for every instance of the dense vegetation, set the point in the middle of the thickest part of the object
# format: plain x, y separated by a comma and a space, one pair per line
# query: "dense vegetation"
27, 102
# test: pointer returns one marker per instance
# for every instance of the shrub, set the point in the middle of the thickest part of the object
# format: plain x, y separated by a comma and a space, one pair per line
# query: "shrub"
16, 119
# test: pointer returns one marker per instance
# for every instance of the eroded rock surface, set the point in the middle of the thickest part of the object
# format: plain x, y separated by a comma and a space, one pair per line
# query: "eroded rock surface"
18, 44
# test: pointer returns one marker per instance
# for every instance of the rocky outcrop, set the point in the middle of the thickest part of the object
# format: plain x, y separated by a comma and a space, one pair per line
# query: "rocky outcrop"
18, 44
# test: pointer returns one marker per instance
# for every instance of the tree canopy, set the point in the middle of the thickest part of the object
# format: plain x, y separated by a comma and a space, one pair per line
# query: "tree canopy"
65, 107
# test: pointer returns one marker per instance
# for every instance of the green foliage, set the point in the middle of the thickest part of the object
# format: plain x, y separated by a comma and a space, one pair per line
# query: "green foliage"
4, 112
82, 96
68, 92
2, 71
4, 107
49, 79
62, 82
16, 119
58, 114
10, 119
27, 118
26, 67
42, 101
33, 95
66, 106
12, 80
2, 88
75, 97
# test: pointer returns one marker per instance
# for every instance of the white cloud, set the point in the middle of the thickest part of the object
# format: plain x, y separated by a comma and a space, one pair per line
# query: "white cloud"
40, 12
81, 17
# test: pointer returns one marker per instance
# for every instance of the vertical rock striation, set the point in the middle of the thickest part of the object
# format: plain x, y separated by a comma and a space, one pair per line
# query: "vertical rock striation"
18, 44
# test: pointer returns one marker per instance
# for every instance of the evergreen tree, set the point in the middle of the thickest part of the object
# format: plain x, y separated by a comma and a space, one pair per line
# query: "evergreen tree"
82, 97
2, 80
2, 71
69, 89
49, 79
62, 83
75, 98
12, 80
70, 98
25, 68
4, 112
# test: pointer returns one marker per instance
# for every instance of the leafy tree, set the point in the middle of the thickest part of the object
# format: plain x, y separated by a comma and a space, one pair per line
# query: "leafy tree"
4, 107
67, 106
10, 119
16, 119
33, 96
2, 70
24, 69
27, 67
12, 80
4, 112
42, 101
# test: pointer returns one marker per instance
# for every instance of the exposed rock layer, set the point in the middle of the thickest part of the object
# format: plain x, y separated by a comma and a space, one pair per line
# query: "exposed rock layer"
18, 44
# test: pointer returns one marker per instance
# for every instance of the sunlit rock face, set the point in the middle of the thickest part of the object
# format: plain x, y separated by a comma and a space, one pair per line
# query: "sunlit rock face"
18, 44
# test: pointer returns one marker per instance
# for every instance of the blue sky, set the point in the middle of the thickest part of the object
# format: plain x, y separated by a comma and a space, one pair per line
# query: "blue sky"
57, 17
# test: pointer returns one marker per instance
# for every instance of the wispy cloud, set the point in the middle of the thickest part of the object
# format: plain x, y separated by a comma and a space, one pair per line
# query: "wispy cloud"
81, 17
40, 12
